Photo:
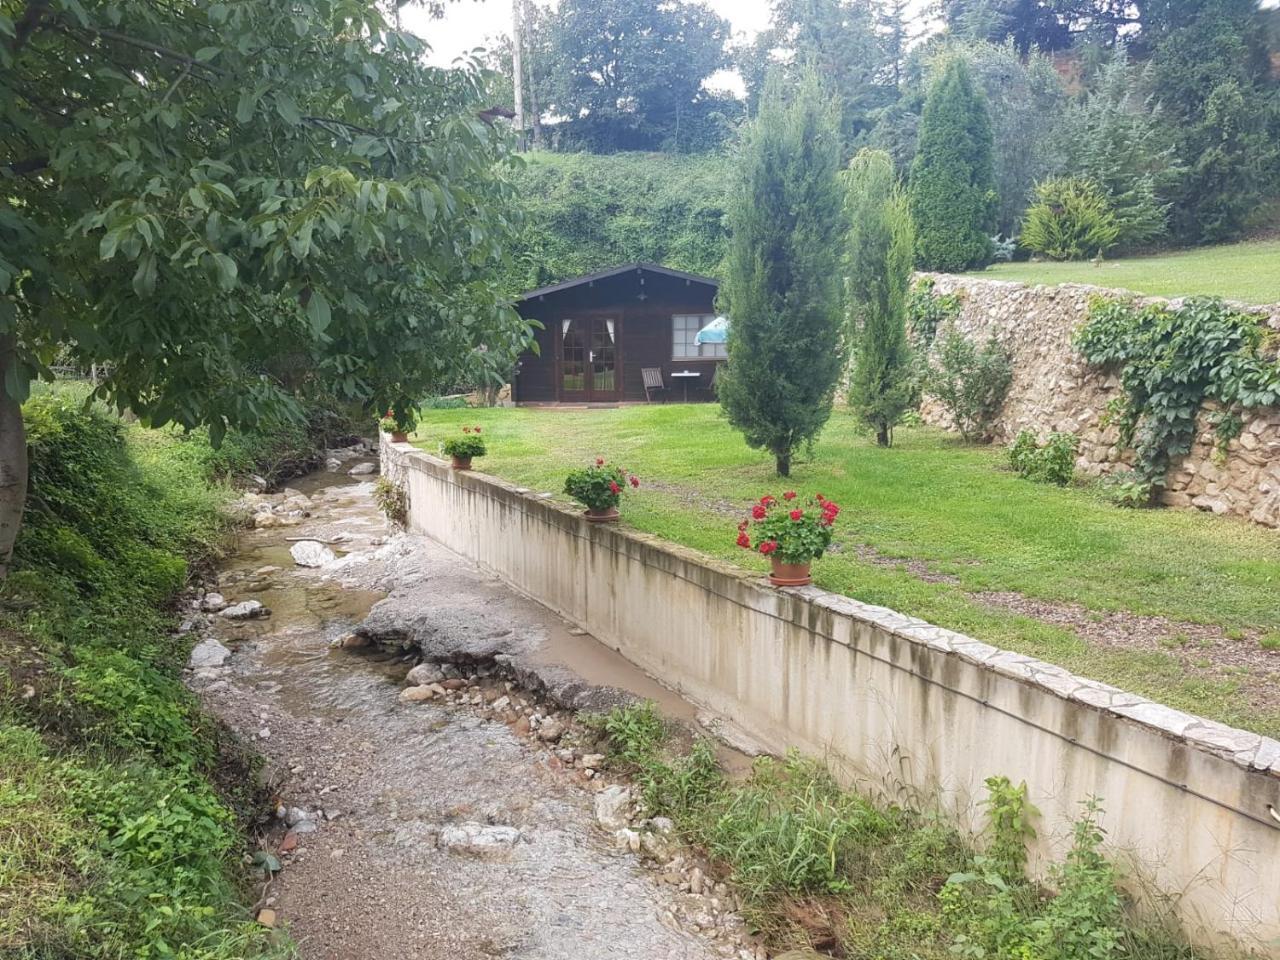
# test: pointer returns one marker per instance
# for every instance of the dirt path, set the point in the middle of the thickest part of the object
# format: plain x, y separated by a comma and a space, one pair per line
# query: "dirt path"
426, 830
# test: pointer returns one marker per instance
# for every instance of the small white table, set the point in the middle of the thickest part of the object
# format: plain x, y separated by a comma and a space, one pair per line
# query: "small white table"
684, 376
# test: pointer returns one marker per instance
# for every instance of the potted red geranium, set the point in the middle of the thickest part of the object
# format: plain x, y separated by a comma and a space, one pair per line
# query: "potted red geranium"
399, 425
599, 489
790, 533
462, 449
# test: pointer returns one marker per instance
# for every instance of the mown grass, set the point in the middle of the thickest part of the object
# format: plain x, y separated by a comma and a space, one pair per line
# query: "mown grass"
932, 500
121, 804
1248, 272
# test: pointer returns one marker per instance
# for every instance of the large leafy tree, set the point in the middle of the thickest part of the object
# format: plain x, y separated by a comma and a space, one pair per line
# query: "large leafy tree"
629, 75
843, 41
952, 190
787, 347
194, 193
881, 250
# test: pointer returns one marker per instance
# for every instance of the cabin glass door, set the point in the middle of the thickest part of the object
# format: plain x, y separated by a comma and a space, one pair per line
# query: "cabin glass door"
589, 363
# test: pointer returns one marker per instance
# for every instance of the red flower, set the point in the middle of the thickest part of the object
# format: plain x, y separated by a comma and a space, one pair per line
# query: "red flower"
477, 429
635, 481
768, 546
599, 461
466, 429
789, 495
613, 487
768, 500
831, 509
827, 520
819, 497
744, 541
742, 526
797, 514
758, 511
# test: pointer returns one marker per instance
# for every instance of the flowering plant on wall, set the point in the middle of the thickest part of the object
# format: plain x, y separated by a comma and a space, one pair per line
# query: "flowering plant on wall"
788, 530
599, 487
470, 444
398, 422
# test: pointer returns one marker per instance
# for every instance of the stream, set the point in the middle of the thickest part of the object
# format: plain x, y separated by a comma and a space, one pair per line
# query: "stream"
461, 824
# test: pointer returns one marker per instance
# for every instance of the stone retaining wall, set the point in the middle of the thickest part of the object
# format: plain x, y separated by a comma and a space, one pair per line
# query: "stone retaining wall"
1054, 389
897, 706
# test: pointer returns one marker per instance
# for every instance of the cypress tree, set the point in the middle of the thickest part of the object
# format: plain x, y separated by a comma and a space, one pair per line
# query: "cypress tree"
787, 347
952, 191
880, 247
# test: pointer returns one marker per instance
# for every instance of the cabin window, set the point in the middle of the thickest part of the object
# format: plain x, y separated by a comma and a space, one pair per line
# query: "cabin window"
684, 333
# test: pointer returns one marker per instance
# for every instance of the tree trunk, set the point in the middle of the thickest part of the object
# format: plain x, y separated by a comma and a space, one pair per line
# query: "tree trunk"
883, 436
784, 464
13, 461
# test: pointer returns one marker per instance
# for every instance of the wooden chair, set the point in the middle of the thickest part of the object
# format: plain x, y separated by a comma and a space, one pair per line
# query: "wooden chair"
652, 382
711, 383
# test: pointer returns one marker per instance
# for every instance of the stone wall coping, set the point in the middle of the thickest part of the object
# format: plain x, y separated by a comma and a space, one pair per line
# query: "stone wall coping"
1250, 751
1270, 312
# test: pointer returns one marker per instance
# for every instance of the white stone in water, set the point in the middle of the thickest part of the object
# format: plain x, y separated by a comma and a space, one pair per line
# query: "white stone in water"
247, 610
476, 837
362, 470
208, 653
311, 553
213, 603
424, 673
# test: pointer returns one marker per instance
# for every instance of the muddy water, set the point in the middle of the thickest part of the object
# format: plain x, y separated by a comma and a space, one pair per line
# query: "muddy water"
379, 780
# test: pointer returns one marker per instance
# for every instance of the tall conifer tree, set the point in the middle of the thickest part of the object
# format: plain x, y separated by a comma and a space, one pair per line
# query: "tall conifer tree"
787, 347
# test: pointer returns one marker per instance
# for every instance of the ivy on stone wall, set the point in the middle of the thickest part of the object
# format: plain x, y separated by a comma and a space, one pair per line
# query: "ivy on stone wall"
1171, 360
927, 311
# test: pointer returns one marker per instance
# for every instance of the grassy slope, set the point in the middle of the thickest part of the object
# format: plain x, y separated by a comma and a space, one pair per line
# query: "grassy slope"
929, 499
114, 840
1249, 272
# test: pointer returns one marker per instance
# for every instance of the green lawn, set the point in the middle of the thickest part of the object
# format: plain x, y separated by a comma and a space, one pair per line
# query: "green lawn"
1249, 272
954, 510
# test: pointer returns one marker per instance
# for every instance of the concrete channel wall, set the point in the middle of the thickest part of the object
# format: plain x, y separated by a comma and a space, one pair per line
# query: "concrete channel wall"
899, 708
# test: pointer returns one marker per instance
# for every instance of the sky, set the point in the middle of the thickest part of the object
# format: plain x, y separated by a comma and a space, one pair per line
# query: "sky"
468, 23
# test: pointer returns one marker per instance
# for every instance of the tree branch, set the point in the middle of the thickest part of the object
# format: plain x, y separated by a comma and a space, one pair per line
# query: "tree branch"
28, 23
140, 44
20, 168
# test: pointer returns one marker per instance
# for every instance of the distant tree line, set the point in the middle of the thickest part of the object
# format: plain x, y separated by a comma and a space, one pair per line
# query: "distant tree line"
1169, 110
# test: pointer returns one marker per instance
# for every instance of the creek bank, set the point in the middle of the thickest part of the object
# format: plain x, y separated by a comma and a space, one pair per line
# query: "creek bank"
455, 827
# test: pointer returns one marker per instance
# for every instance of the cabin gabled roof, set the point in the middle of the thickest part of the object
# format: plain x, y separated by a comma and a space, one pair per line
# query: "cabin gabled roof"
638, 267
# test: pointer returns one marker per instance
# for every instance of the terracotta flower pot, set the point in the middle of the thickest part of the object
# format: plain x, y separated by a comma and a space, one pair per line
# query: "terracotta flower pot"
461, 463
608, 515
399, 436
789, 574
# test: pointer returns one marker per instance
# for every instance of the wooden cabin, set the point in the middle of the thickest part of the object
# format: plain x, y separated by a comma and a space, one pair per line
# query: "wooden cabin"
602, 331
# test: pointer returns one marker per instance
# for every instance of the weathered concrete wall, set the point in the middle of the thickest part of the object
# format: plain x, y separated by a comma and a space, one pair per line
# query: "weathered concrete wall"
1054, 389
896, 705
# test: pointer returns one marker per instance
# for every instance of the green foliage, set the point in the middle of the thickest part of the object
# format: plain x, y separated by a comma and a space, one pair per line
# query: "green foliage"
1171, 360
110, 826
1119, 137
1213, 76
256, 202
927, 311
1070, 220
952, 187
881, 248
787, 346
598, 487
629, 76
1054, 462
970, 381
392, 499
584, 213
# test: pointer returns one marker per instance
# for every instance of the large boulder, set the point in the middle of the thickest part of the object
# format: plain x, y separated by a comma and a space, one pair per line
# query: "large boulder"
208, 653
311, 553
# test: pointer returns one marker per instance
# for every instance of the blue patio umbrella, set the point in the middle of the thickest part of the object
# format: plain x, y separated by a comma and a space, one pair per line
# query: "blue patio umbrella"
717, 331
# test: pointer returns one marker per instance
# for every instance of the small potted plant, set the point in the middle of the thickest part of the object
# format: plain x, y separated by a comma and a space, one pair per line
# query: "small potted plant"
399, 425
792, 535
462, 449
599, 489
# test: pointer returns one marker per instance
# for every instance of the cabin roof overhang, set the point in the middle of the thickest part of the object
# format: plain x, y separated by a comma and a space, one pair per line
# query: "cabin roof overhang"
640, 268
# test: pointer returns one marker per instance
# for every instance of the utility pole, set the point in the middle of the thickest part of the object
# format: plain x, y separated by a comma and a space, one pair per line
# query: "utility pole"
517, 66
535, 111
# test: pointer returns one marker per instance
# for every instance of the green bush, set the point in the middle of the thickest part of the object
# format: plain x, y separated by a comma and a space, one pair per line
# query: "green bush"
1071, 219
1052, 462
969, 381
927, 311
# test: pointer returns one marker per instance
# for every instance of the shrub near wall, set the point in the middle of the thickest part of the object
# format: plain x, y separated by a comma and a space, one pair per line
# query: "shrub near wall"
1054, 388
114, 840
